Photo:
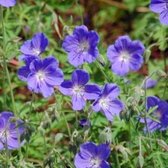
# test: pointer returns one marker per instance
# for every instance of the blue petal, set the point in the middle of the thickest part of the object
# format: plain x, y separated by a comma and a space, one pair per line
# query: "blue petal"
54, 77
92, 92
88, 149
66, 88
40, 42
7, 3
111, 90
152, 101
164, 17
104, 164
23, 73
50, 61
80, 77
120, 68
136, 62
78, 102
158, 5
81, 162
114, 109
103, 151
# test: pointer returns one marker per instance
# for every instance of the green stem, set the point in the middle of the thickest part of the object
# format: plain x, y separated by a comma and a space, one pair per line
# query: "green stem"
5, 63
102, 71
117, 160
62, 111
80, 12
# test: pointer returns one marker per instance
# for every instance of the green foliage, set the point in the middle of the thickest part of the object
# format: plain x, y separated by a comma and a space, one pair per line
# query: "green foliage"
53, 134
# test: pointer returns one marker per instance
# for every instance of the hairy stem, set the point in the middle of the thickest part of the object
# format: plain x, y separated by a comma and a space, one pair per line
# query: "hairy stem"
5, 66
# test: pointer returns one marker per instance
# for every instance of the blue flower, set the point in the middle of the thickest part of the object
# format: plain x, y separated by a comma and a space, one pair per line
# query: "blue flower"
92, 156
78, 90
35, 46
159, 117
125, 55
107, 101
41, 75
149, 83
84, 122
7, 3
11, 130
161, 7
81, 46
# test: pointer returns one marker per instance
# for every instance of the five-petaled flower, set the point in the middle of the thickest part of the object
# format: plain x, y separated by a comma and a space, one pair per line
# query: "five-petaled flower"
158, 120
41, 75
35, 46
125, 55
81, 46
107, 101
7, 3
92, 156
161, 7
78, 90
11, 131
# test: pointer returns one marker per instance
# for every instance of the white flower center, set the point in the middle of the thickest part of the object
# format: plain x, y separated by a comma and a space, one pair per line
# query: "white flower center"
158, 114
124, 56
104, 103
95, 162
40, 75
78, 90
4, 134
84, 46
36, 51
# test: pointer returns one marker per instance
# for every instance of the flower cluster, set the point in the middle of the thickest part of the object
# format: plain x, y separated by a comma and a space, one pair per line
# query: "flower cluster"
41, 74
11, 130
125, 55
105, 98
7, 3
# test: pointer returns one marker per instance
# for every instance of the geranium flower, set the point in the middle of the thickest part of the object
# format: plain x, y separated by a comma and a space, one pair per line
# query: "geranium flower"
42, 75
149, 83
161, 7
81, 46
7, 3
11, 130
159, 117
92, 156
35, 46
108, 102
125, 55
78, 90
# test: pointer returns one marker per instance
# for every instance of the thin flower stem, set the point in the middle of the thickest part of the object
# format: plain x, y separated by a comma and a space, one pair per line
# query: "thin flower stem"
81, 15
68, 128
62, 112
117, 160
5, 63
102, 71
148, 133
